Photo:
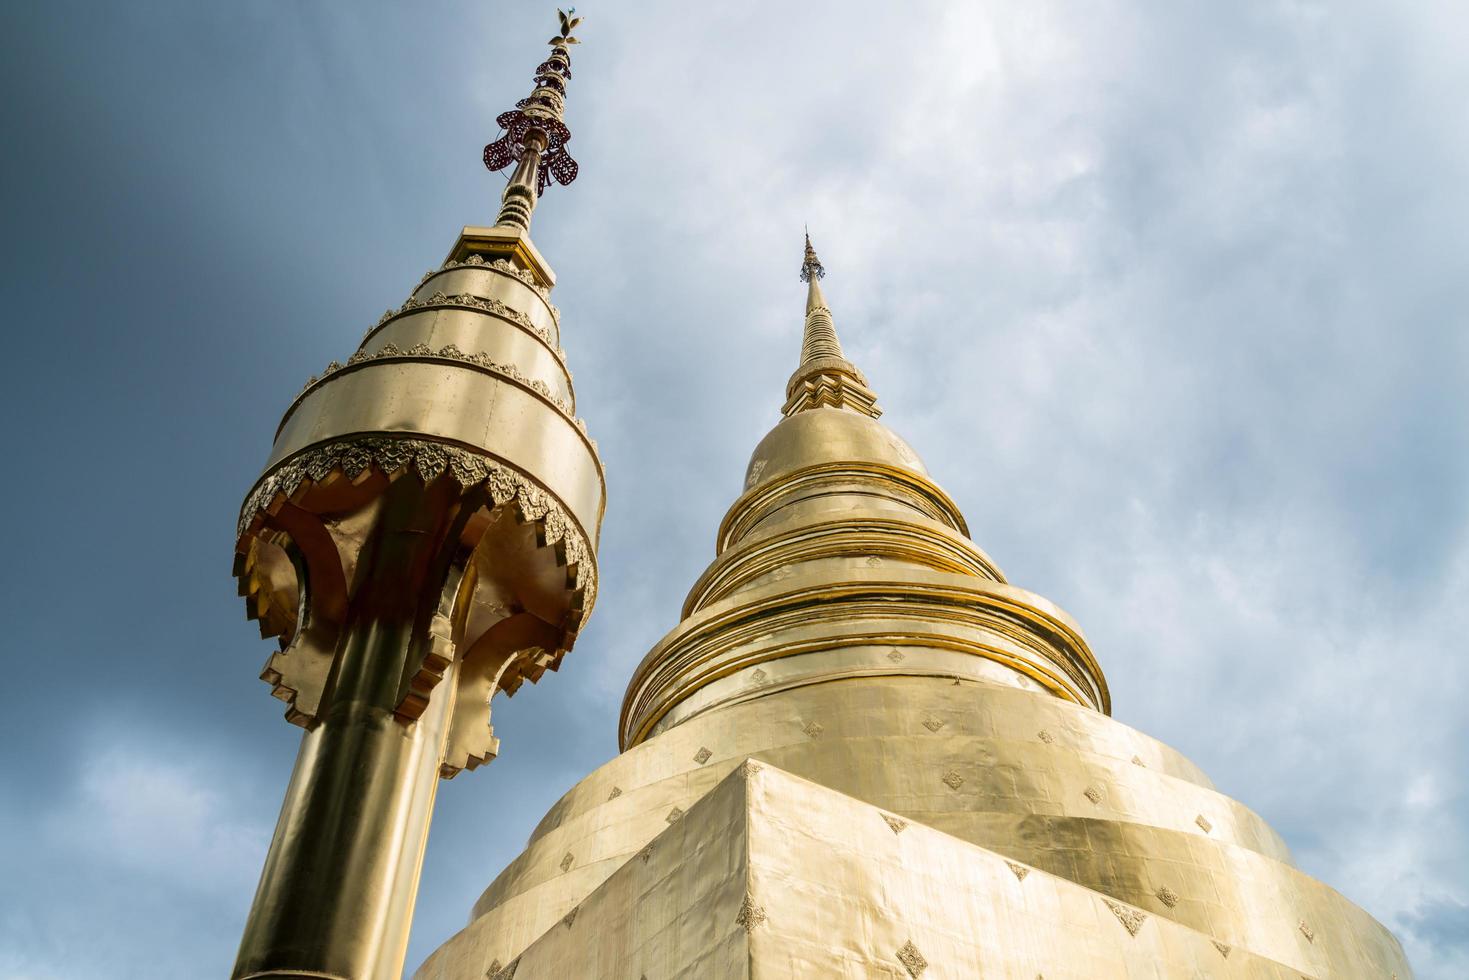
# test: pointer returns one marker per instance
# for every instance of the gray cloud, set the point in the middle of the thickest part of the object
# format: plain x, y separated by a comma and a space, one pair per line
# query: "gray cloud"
1444, 923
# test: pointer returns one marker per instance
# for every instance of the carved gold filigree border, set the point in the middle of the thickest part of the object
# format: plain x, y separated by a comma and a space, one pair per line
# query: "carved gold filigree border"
452, 353
481, 304
499, 265
431, 460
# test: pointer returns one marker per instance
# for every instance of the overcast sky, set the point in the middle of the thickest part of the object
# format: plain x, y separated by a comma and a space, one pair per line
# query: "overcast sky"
1171, 298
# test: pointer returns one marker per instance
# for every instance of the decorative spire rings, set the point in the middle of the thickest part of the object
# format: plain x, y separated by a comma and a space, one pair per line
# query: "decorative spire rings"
811, 268
535, 137
825, 378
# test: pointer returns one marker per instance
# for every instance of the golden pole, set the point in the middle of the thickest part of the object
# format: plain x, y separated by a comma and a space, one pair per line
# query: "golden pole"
423, 536
339, 880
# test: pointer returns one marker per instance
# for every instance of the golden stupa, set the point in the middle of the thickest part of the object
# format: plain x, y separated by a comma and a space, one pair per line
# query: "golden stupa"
861, 752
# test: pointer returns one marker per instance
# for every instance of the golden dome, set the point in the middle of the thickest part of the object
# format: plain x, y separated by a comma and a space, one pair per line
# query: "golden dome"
828, 435
840, 551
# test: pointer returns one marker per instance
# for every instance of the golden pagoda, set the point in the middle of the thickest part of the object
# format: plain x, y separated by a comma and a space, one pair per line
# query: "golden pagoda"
863, 753
860, 753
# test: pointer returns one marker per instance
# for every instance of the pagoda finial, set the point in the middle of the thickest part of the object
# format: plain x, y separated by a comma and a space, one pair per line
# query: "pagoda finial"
824, 378
811, 268
535, 136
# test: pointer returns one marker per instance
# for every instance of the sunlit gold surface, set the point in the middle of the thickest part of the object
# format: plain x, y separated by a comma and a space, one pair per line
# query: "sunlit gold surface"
423, 536
769, 875
938, 789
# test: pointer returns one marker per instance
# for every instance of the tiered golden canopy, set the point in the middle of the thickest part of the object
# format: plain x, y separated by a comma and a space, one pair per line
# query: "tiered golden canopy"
423, 535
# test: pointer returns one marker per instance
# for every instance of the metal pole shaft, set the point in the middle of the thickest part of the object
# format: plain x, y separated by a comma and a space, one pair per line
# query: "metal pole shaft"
344, 863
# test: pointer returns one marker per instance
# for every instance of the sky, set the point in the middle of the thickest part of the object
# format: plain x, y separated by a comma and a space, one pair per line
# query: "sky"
1171, 298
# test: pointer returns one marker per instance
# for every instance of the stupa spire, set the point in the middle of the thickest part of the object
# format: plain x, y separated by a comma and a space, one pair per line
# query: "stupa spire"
820, 339
422, 537
535, 134
824, 378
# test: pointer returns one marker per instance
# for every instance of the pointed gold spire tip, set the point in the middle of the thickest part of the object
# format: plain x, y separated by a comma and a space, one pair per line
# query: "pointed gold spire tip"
535, 134
811, 267
824, 378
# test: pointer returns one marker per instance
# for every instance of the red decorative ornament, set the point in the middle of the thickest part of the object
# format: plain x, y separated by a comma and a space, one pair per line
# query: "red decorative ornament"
539, 115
